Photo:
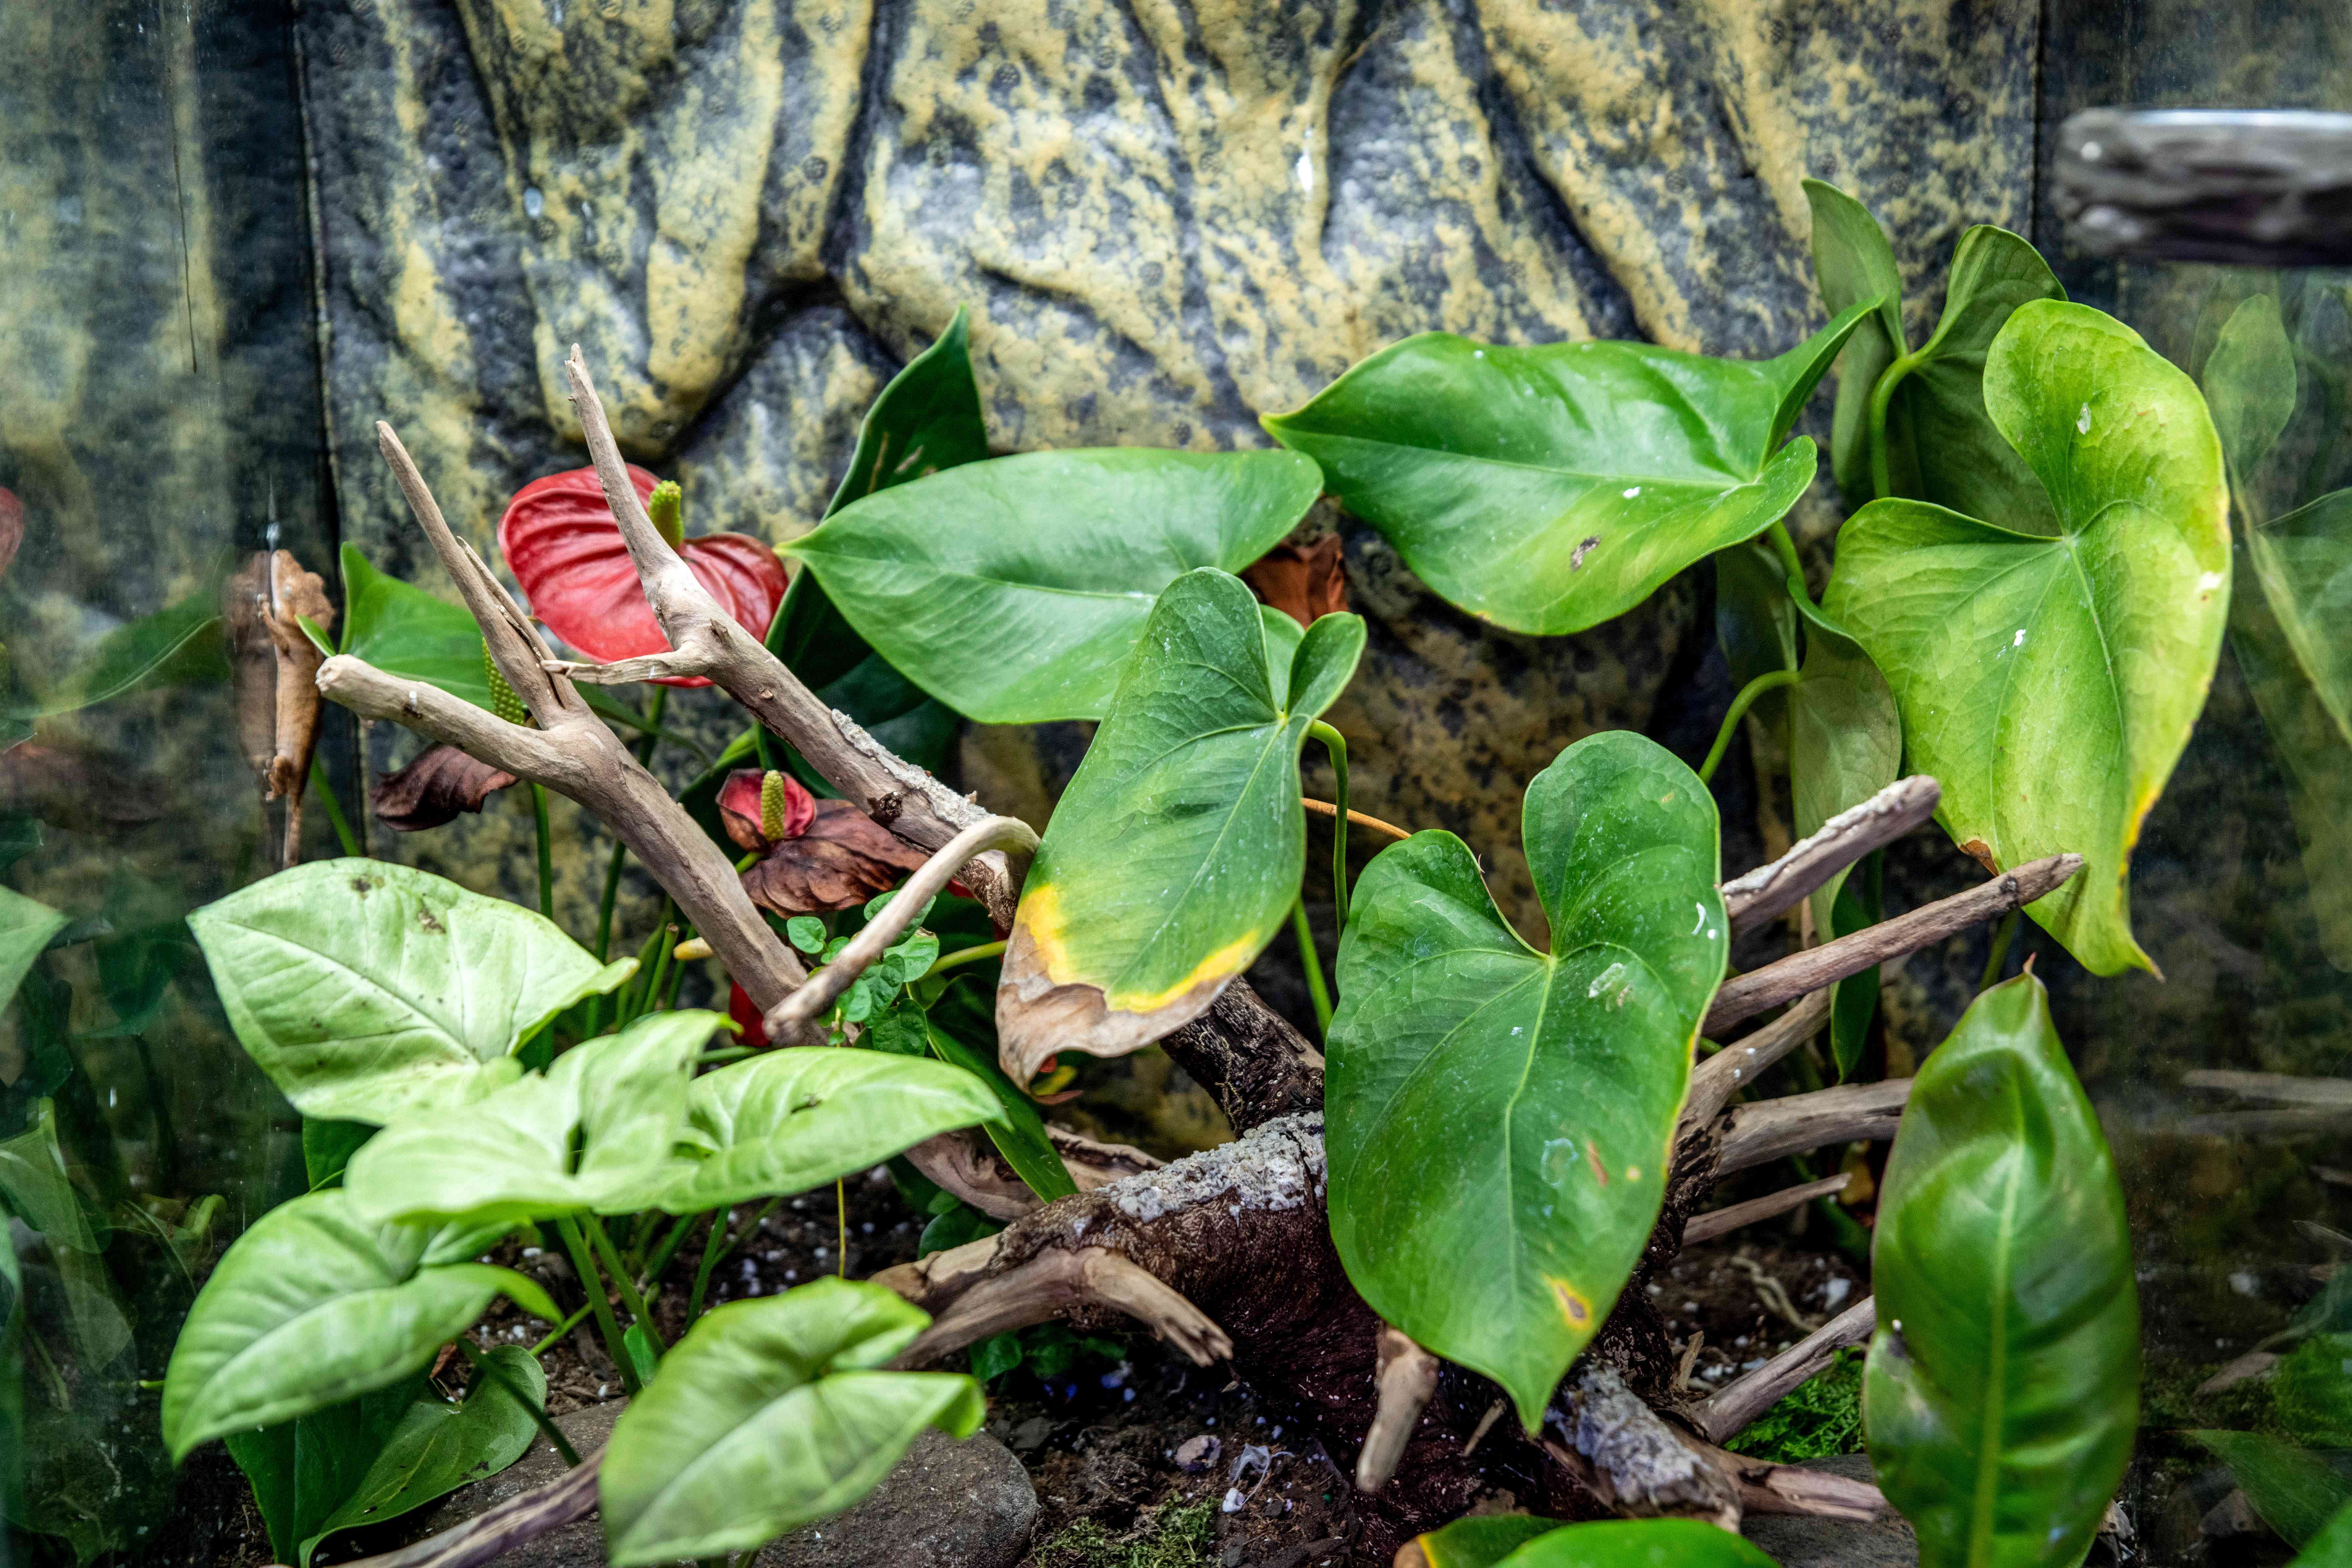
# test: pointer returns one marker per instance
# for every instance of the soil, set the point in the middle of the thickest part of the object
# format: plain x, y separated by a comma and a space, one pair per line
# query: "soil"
1142, 1461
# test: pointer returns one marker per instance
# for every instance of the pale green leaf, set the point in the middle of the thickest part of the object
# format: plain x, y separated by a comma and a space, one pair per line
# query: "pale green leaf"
25, 927
366, 991
1638, 1544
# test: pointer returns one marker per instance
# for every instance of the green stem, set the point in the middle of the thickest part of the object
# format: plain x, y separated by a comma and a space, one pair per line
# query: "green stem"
631, 1296
1882, 396
986, 950
841, 1217
341, 825
1336, 745
1309, 960
1793, 565
644, 749
2003, 934
546, 851
714, 1252
521, 1396
765, 749
559, 1329
659, 976
599, 1303
1740, 704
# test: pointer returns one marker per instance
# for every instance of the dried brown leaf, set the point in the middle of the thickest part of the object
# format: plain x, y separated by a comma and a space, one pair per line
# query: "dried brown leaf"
843, 859
441, 782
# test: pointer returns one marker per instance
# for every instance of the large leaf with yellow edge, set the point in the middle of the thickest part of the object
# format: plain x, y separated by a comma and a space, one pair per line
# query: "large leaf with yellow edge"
1499, 1119
2051, 681
1175, 853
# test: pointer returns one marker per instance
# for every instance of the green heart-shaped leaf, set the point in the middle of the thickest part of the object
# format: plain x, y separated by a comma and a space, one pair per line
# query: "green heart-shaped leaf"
1013, 589
596, 1134
366, 991
1500, 1118
179, 645
302, 1470
1549, 489
2049, 682
439, 1446
410, 634
1638, 1544
1854, 265
1482, 1540
2250, 384
35, 1187
789, 1121
1941, 444
25, 927
313, 1306
768, 1415
1173, 857
2002, 1388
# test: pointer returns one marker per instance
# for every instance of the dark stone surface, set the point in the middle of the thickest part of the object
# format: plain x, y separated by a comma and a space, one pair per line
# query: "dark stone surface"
1799, 1543
947, 1504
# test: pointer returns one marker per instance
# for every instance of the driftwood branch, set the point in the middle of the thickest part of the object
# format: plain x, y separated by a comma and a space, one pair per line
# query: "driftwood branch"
1406, 1377
1768, 1129
1738, 1064
1054, 1283
809, 1002
571, 751
1745, 995
499, 1530
1769, 891
1632, 1459
1768, 1488
1722, 1222
1743, 1400
705, 641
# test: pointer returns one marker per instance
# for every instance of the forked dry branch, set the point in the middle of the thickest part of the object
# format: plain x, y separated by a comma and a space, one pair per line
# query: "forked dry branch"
1227, 1254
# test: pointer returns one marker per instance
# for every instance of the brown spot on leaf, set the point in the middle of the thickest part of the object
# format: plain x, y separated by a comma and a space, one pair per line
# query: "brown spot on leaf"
1576, 557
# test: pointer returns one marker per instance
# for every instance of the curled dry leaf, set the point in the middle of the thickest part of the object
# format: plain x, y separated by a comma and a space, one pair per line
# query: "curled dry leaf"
558, 537
842, 859
441, 782
1302, 581
745, 809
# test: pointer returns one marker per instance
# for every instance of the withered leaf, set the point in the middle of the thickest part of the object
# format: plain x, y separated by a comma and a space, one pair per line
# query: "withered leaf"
1302, 581
843, 859
441, 782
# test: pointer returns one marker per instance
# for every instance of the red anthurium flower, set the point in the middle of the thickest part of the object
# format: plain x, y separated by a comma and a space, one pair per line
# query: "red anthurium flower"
564, 548
747, 1018
761, 809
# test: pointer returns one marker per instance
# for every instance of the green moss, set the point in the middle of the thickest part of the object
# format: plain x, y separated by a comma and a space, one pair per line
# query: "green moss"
1176, 1535
1817, 1418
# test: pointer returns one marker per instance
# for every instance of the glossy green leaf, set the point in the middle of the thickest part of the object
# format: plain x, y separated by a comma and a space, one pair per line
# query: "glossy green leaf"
1845, 744
311, 1307
410, 634
2332, 1547
2302, 562
2294, 1490
596, 1134
1174, 855
366, 990
1853, 265
957, 1030
1483, 1540
1638, 1544
1013, 589
790, 1121
25, 927
1853, 1001
302, 1470
1755, 623
770, 1413
35, 1188
439, 1446
1499, 1119
2049, 683
927, 420
1942, 443
1549, 489
2002, 1388
179, 645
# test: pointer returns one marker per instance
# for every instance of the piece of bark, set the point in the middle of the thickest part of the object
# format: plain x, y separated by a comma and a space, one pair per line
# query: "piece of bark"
433, 789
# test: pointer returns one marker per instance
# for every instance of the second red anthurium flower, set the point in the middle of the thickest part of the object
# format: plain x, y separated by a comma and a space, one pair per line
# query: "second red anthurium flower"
565, 550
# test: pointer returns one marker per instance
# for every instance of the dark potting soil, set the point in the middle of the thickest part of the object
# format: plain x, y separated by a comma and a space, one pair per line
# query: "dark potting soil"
1141, 1458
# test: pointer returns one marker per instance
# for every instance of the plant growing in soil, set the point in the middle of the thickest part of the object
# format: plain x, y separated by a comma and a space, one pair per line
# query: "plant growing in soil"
1433, 1232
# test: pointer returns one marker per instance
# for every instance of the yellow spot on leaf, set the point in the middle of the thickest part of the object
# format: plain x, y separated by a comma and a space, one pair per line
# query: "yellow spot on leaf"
1041, 913
1572, 1306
